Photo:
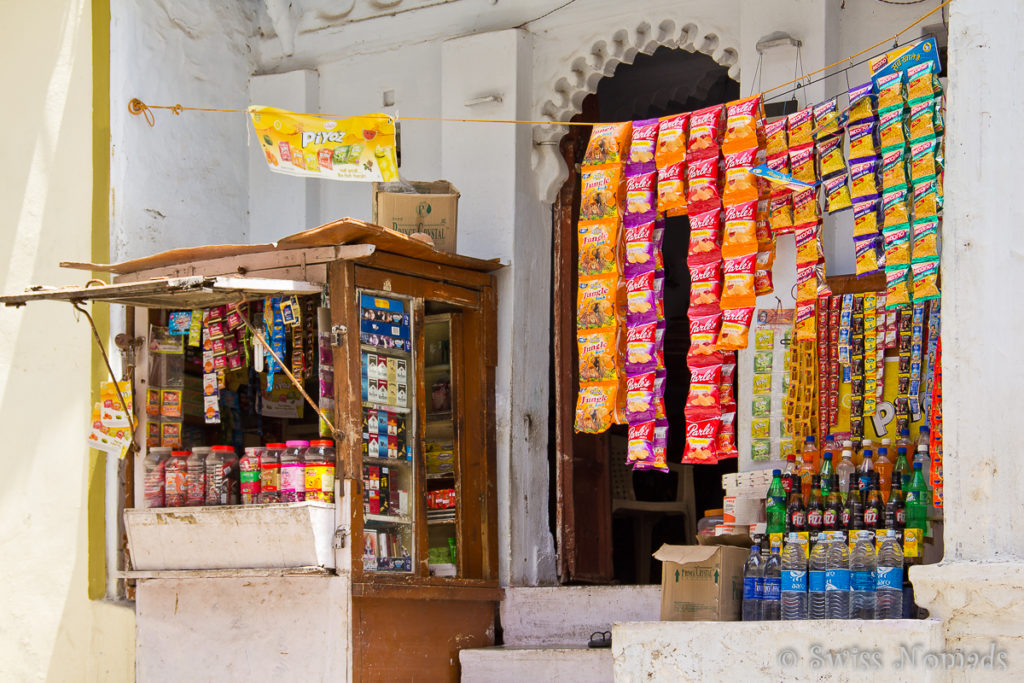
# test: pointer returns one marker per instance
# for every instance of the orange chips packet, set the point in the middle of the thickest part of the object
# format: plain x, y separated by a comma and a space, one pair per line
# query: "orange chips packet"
595, 302
598, 352
672, 190
597, 248
671, 147
744, 125
740, 184
595, 407
740, 235
609, 144
735, 328
602, 190
738, 287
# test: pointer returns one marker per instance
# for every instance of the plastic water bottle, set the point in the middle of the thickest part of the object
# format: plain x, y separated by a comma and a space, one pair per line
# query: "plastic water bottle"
816, 578
837, 578
771, 606
889, 579
794, 579
753, 585
862, 577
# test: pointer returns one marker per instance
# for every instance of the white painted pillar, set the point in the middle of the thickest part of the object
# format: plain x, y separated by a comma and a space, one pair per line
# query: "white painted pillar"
279, 204
489, 76
978, 588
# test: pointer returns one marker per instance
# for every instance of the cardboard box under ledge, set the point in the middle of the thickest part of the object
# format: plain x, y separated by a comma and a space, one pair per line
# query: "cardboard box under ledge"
232, 536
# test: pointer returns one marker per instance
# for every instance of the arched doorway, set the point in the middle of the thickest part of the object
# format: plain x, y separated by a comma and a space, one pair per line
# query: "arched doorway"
593, 545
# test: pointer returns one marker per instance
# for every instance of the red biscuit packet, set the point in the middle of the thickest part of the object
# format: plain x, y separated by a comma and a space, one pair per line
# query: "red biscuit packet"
703, 398
705, 244
702, 192
703, 339
727, 437
705, 288
705, 132
701, 441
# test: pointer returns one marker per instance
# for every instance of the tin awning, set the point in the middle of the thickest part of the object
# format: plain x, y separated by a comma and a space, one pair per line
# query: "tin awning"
191, 292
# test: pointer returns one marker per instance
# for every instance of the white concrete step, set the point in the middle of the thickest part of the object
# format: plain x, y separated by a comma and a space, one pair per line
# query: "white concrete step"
519, 665
566, 615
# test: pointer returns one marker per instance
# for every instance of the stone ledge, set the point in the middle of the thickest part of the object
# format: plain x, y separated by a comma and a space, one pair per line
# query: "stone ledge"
515, 665
977, 602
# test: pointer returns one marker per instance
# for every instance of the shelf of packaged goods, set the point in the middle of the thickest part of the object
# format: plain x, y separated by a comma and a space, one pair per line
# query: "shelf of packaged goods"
387, 462
387, 519
396, 353
390, 409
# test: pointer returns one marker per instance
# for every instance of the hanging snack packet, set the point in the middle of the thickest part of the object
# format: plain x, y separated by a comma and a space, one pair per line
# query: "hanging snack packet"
738, 287
924, 120
595, 406
640, 249
640, 398
890, 128
703, 398
703, 339
601, 193
701, 441
705, 288
704, 238
660, 461
659, 295
837, 194
763, 283
780, 164
860, 107
598, 353
808, 243
744, 125
672, 190
641, 198
595, 303
897, 245
830, 156
890, 91
727, 437
640, 297
926, 279
926, 238
826, 119
806, 282
865, 218
781, 214
740, 184
641, 147
642, 348
740, 235
660, 376
894, 168
862, 179
805, 206
705, 133
597, 247
609, 144
671, 148
801, 163
894, 207
702, 184
921, 82
735, 329
866, 250
726, 393
775, 137
798, 127
805, 331
924, 163
926, 199
862, 140
658, 235
640, 446
897, 287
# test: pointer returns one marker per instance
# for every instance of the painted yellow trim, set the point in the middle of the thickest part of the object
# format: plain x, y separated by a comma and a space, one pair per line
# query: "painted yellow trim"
100, 253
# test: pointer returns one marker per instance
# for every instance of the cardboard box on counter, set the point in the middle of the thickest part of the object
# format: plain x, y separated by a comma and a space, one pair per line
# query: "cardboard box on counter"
433, 208
702, 582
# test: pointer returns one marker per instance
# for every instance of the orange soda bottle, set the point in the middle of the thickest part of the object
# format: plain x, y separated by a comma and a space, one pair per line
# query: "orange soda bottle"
808, 467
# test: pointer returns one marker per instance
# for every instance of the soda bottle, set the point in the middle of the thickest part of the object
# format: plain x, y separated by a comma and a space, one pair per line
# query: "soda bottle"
815, 508
884, 468
776, 491
922, 457
844, 469
816, 578
916, 503
853, 511
775, 512
833, 516
865, 446
874, 508
787, 481
895, 513
826, 474
866, 469
807, 467
862, 577
889, 579
903, 440
794, 579
924, 438
771, 606
837, 579
753, 585
796, 513
902, 468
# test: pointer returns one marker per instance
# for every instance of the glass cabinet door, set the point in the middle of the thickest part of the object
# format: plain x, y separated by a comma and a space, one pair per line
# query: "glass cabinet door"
440, 447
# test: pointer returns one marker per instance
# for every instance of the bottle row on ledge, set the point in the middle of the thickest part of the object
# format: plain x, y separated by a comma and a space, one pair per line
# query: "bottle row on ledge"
276, 473
863, 580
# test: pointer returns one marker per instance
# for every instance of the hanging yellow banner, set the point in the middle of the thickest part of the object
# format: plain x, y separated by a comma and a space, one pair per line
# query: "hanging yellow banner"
361, 148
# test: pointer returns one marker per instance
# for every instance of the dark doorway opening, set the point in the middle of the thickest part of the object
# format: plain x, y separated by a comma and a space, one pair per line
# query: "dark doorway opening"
594, 546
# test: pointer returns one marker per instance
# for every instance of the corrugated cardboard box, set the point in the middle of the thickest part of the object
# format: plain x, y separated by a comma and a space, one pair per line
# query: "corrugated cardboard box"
433, 209
701, 582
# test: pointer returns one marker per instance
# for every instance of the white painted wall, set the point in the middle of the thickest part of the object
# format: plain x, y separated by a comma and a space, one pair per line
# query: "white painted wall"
182, 182
50, 629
